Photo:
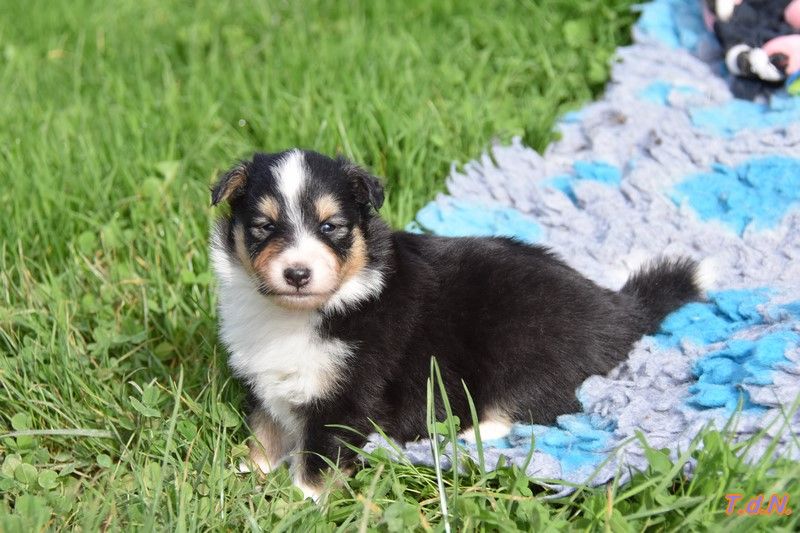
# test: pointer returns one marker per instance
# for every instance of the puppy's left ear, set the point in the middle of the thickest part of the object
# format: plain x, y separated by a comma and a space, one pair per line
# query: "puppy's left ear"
368, 189
230, 184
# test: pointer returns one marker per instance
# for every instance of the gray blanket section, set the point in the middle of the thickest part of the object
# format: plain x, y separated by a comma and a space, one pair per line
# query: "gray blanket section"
611, 231
608, 231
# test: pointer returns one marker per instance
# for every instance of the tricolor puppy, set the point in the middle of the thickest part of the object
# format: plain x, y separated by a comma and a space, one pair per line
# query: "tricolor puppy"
331, 318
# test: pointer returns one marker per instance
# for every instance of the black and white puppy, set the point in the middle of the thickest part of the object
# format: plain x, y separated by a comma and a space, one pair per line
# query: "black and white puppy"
331, 318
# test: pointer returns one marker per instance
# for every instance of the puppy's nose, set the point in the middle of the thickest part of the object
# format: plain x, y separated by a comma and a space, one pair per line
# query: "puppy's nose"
297, 276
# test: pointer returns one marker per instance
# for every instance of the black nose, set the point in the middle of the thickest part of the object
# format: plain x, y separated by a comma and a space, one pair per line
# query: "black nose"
297, 277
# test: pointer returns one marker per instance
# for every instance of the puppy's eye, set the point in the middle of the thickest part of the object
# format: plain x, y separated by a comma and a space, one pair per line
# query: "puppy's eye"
262, 229
327, 227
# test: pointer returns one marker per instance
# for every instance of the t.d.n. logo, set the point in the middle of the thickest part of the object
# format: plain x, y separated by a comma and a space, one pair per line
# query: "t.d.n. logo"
758, 505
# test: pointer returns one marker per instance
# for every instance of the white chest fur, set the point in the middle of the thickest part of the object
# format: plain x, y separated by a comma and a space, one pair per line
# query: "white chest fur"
279, 352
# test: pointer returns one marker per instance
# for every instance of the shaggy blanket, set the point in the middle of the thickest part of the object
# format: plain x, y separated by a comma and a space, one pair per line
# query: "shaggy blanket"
667, 162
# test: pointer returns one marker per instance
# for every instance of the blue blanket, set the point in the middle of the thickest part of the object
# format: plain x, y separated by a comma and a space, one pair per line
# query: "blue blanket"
667, 162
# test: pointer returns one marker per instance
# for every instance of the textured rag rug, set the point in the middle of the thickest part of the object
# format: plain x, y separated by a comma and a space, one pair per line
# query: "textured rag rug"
667, 162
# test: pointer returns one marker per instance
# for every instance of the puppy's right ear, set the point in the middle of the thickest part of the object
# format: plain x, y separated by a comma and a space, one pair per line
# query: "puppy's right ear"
367, 188
230, 184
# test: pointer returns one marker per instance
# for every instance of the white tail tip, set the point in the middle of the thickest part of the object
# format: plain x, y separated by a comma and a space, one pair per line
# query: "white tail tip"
707, 273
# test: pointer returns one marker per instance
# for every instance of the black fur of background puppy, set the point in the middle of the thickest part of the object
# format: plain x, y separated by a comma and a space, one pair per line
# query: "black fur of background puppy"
331, 318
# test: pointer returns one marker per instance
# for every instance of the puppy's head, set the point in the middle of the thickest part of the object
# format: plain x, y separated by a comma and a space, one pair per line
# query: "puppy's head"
297, 223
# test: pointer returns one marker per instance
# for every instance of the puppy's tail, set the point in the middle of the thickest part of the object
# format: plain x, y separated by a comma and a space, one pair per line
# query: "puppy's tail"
664, 285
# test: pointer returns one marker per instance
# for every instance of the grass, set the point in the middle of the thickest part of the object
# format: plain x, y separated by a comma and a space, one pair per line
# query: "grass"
118, 411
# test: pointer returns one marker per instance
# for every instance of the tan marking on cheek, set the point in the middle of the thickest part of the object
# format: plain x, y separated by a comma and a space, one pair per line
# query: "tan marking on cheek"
241, 248
269, 207
266, 255
357, 258
326, 206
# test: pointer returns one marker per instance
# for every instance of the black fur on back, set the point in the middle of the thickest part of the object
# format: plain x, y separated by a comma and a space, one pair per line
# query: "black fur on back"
520, 327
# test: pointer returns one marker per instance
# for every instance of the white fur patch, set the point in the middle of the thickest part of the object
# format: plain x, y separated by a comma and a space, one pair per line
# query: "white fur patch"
706, 275
246, 468
309, 491
366, 284
290, 174
278, 351
494, 427
296, 470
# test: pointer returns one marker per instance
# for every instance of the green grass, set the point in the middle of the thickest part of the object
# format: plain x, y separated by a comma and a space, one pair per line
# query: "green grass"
114, 120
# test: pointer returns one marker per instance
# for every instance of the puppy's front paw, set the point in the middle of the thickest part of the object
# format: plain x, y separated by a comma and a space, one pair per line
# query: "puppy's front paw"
247, 466
257, 462
309, 490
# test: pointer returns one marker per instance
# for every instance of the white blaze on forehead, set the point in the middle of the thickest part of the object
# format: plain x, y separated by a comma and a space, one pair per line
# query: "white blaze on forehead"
290, 174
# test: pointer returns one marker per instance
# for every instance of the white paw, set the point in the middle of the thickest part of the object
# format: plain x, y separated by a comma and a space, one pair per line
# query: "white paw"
490, 430
309, 491
243, 468
246, 466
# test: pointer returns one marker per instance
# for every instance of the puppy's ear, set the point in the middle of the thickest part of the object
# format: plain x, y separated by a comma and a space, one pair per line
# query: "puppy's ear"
368, 189
230, 184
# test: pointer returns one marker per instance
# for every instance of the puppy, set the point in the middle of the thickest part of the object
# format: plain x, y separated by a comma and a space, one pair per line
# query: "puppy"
331, 318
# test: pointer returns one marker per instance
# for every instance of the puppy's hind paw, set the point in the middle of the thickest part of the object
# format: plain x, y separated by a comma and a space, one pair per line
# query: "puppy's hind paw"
489, 430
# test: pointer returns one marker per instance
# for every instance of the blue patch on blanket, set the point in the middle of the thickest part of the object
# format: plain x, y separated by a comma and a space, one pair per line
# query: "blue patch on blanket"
705, 323
676, 23
577, 441
457, 218
571, 117
735, 115
721, 375
758, 192
585, 170
792, 309
658, 92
